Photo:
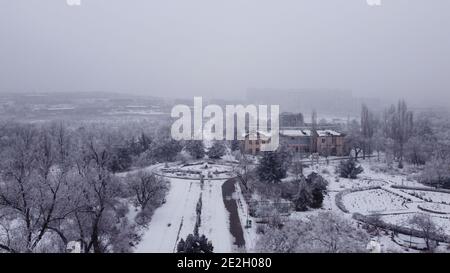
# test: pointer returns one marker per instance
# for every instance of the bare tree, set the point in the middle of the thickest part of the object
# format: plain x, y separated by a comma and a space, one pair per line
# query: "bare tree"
313, 144
98, 193
354, 140
425, 224
35, 188
244, 170
368, 128
147, 188
398, 125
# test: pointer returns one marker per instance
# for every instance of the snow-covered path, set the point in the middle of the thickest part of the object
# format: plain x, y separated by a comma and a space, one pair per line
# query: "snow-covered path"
215, 217
176, 218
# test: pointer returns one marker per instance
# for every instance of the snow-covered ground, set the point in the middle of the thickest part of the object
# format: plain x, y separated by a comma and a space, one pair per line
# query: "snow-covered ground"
374, 201
396, 206
176, 218
214, 217
173, 220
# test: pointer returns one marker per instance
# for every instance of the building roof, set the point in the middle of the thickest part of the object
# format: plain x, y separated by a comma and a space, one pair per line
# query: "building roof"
323, 133
295, 133
252, 133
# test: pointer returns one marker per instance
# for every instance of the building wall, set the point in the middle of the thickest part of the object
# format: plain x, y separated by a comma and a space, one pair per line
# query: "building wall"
330, 145
252, 146
324, 145
297, 144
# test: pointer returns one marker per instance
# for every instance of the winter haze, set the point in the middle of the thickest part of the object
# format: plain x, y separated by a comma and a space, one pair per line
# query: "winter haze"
220, 49
139, 126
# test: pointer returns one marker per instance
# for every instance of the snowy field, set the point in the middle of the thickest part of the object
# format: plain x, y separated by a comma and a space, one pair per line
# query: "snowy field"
374, 201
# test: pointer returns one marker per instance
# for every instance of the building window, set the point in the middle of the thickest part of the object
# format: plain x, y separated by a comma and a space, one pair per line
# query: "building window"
323, 140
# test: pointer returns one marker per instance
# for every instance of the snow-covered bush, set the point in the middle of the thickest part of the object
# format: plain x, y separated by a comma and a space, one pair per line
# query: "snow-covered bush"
436, 173
326, 232
195, 148
217, 150
349, 169
273, 166
195, 244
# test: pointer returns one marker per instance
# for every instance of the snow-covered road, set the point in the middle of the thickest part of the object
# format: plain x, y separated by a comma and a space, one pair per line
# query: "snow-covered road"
176, 218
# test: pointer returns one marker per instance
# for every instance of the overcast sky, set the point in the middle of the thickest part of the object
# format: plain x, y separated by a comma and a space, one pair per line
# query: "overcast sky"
219, 48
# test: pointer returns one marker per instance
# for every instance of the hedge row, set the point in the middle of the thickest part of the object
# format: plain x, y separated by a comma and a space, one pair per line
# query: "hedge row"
420, 189
398, 229
341, 194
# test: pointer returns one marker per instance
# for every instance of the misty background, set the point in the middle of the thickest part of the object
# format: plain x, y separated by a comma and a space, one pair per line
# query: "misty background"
228, 49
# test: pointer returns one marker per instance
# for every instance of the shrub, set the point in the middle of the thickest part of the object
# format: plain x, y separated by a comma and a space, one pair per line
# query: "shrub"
349, 169
217, 150
195, 244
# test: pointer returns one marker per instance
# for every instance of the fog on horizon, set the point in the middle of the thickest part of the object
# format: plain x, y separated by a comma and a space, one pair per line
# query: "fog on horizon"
179, 48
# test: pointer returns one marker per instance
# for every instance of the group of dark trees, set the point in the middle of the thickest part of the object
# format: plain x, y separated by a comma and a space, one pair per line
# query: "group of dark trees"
268, 178
273, 166
196, 149
195, 243
307, 192
58, 185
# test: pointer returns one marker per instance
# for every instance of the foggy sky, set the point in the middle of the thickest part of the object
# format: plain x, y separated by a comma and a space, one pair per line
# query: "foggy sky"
219, 48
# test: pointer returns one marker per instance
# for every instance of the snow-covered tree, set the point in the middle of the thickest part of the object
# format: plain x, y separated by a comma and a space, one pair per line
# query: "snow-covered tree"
325, 233
195, 148
318, 187
164, 149
354, 141
425, 224
217, 150
195, 244
34, 188
148, 190
368, 128
235, 145
436, 173
349, 169
271, 167
304, 197
398, 125
419, 148
244, 170
296, 168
